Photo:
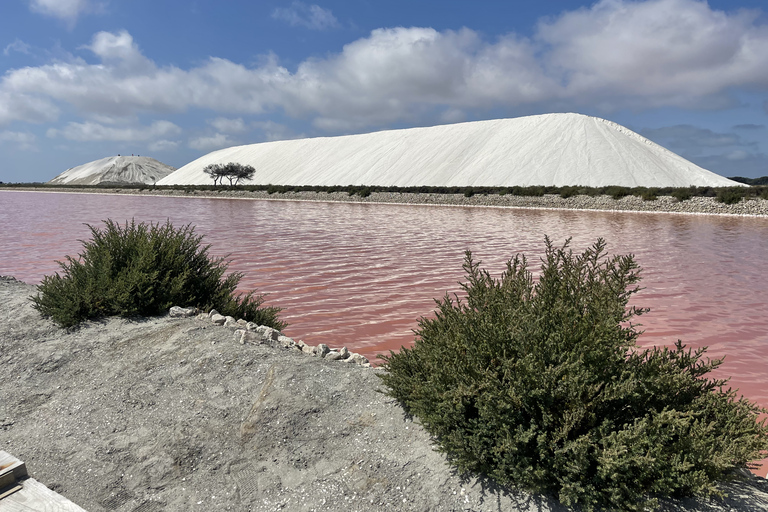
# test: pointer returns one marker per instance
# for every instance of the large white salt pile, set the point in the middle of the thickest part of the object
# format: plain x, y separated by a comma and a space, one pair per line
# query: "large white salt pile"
550, 149
115, 169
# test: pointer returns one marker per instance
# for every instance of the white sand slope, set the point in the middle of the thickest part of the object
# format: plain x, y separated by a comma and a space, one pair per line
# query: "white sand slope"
550, 149
115, 169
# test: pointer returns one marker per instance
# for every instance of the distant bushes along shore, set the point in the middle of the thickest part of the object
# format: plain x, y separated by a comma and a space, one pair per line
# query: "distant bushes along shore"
539, 385
140, 269
728, 195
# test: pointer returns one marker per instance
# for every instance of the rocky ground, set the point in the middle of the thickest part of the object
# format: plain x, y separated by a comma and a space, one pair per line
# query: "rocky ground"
694, 205
153, 414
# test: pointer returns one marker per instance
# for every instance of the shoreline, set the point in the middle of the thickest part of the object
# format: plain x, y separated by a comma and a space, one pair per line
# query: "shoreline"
628, 204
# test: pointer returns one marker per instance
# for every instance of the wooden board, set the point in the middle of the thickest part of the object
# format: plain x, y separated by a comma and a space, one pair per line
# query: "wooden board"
35, 497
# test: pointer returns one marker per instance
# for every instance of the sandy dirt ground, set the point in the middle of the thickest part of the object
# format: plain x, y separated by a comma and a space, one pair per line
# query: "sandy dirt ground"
173, 414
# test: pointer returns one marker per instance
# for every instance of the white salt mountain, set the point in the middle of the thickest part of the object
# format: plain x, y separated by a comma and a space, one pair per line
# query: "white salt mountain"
115, 169
549, 149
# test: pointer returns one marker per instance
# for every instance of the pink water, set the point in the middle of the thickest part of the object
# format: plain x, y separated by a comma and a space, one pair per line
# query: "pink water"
361, 275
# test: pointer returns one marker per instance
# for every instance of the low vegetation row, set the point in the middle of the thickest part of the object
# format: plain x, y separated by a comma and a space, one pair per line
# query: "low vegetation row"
727, 195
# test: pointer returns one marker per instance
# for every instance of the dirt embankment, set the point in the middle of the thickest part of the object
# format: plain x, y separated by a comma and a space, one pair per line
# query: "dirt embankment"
174, 414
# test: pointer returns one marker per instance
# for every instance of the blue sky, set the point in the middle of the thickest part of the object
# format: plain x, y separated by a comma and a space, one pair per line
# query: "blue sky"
85, 79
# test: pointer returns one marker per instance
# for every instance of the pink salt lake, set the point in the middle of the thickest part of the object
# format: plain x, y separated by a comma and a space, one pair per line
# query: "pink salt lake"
361, 275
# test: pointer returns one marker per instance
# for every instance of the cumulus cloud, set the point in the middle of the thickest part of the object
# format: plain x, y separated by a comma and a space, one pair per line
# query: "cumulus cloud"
656, 52
207, 143
226, 125
91, 131
66, 10
614, 54
21, 140
312, 16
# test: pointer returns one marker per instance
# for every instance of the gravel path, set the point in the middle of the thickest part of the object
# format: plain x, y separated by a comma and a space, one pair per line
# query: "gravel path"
170, 414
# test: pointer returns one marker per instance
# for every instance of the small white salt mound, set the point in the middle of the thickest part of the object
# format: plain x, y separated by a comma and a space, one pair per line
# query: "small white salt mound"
115, 169
550, 149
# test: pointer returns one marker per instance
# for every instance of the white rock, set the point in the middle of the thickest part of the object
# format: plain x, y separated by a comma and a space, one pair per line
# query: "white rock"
179, 312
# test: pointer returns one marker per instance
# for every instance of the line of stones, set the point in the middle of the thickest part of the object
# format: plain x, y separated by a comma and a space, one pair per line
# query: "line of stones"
249, 332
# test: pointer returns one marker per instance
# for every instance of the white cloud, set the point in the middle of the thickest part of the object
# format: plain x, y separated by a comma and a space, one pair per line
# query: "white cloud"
17, 46
656, 52
310, 16
615, 54
21, 140
163, 145
226, 125
91, 131
67, 10
206, 143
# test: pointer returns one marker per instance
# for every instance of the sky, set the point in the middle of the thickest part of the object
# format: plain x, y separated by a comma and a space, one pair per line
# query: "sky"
174, 80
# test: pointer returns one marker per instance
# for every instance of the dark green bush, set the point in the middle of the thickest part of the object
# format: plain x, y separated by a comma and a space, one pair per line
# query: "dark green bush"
617, 192
682, 194
649, 194
729, 195
540, 385
140, 269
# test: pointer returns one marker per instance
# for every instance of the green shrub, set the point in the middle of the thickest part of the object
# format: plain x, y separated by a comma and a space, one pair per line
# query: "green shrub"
729, 195
140, 269
682, 194
540, 385
617, 192
649, 194
566, 192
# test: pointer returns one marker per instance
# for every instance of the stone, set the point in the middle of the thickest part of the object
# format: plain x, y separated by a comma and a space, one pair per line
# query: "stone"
212, 313
285, 341
230, 322
251, 326
356, 358
268, 333
308, 349
202, 316
218, 319
242, 323
179, 312
333, 355
344, 353
243, 336
321, 350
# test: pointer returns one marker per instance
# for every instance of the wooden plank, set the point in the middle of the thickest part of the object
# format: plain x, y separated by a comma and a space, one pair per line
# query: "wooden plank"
10, 464
35, 497
11, 470
7, 491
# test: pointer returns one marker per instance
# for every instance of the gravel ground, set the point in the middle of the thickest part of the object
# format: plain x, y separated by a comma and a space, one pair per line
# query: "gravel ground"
153, 414
695, 205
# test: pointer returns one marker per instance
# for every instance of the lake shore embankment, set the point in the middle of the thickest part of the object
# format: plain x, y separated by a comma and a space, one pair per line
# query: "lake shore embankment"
178, 414
663, 204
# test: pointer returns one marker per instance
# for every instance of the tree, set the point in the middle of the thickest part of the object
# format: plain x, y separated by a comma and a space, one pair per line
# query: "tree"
215, 171
539, 384
235, 172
